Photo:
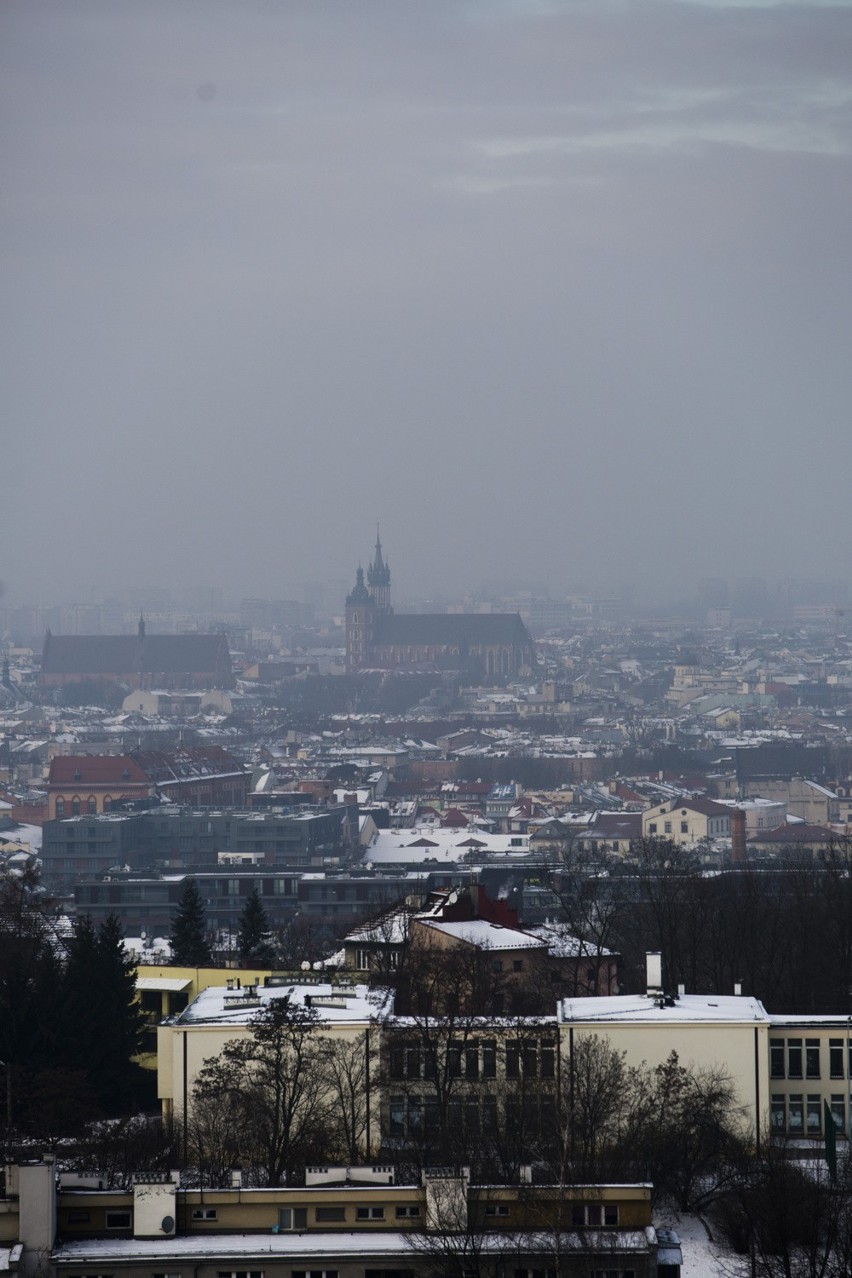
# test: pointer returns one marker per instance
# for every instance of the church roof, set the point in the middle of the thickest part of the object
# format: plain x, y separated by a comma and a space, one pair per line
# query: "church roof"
453, 628
131, 654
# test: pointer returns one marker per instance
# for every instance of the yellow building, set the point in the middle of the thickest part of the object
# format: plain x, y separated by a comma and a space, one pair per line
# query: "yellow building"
708, 1032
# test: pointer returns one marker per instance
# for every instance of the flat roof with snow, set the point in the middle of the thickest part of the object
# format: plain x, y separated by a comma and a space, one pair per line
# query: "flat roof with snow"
644, 1008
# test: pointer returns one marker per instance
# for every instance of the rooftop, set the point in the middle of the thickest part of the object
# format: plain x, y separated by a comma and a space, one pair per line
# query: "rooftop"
642, 1008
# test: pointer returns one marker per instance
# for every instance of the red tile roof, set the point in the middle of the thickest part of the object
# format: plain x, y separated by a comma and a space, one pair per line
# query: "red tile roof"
96, 769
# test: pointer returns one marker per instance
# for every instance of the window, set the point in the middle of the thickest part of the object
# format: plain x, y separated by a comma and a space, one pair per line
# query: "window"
397, 1062
293, 1218
548, 1060
60, 809
497, 1209
794, 1058
205, 1213
513, 1060
118, 1220
838, 1113
240, 1273
684, 827
812, 1058
407, 1212
814, 1114
91, 805
517, 965
835, 1057
471, 1062
362, 960
594, 1214
489, 1058
369, 1213
652, 828
397, 1116
325, 1215
667, 827
75, 806
796, 1120
776, 1058
166, 1276
778, 1113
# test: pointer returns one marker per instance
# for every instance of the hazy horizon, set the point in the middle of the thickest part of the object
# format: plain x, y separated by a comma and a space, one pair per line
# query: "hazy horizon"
557, 291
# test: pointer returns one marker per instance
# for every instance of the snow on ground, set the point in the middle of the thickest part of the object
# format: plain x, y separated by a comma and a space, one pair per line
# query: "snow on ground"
702, 1258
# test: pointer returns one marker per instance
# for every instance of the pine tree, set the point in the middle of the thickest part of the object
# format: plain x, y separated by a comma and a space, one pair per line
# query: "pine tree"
190, 943
102, 1020
254, 939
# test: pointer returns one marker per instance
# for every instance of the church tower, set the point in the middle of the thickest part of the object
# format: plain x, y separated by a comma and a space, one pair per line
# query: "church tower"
360, 618
378, 579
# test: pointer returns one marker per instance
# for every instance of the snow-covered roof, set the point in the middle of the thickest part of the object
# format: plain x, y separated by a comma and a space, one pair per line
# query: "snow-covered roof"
411, 846
486, 935
356, 1244
337, 1004
640, 1008
163, 984
561, 942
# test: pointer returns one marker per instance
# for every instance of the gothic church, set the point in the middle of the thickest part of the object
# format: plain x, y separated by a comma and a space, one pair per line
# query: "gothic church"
481, 646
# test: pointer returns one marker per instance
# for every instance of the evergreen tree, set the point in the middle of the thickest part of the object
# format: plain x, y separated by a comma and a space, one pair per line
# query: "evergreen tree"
30, 996
254, 939
102, 1020
190, 943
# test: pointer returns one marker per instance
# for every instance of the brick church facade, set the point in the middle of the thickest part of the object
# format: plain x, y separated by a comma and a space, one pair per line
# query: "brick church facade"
482, 646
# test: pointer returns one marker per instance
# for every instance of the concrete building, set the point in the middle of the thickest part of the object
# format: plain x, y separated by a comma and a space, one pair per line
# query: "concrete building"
350, 1222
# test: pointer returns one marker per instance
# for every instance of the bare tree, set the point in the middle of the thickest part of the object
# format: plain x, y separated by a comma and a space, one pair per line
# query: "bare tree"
272, 1085
348, 1065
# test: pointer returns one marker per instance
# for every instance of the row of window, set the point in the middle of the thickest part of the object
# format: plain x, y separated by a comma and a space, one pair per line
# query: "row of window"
91, 806
800, 1058
523, 1057
296, 1218
802, 1115
416, 1116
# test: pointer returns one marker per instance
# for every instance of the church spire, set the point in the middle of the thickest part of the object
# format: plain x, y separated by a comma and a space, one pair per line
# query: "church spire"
141, 630
378, 577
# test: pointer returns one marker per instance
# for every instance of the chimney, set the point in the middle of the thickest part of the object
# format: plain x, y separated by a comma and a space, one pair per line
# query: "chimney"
654, 972
738, 989
738, 835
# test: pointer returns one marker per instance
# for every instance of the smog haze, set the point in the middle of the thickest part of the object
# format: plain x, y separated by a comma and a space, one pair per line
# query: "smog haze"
555, 291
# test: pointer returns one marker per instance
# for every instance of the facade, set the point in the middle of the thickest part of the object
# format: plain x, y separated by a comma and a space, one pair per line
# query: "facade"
178, 838
709, 1032
86, 784
810, 1075
344, 1222
687, 822
480, 645
137, 661
204, 776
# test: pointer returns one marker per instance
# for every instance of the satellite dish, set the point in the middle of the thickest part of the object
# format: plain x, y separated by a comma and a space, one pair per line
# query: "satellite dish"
167, 1224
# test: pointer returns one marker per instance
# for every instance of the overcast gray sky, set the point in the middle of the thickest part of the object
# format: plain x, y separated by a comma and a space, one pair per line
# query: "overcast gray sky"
552, 289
